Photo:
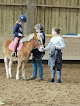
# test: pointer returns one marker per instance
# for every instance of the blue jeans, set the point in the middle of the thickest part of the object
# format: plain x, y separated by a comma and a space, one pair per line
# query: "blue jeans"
37, 63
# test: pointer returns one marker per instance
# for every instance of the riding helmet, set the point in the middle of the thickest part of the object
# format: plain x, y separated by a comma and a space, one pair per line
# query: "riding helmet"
22, 18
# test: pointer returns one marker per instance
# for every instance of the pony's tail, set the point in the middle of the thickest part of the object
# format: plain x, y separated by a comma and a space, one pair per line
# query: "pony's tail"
3, 49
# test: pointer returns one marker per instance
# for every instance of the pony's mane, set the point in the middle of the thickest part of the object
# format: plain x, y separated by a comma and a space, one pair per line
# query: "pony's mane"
28, 37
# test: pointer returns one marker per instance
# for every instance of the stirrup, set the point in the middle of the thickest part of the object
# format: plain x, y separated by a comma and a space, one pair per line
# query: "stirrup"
13, 54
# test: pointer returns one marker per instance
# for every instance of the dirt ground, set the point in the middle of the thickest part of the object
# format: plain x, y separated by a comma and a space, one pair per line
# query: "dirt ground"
33, 93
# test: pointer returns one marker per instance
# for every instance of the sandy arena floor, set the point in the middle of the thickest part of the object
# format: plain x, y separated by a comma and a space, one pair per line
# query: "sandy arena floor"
33, 93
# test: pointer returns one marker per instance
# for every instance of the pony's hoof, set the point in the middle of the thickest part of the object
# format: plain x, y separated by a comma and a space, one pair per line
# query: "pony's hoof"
24, 78
17, 78
7, 77
10, 76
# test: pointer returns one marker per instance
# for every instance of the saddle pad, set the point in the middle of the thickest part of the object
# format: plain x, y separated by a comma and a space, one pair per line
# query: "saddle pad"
12, 45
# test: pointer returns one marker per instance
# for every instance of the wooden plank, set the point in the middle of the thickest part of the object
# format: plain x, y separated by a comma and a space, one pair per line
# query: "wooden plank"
46, 18
17, 12
53, 15
39, 13
57, 18
42, 14
50, 18
8, 19
68, 13
13, 4
52, 6
2, 19
11, 17
78, 19
63, 17
73, 18
24, 11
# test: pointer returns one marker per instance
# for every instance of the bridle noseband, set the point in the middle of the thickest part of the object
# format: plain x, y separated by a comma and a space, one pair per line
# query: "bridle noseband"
38, 44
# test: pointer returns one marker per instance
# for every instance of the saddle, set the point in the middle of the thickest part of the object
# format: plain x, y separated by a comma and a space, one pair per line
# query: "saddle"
19, 45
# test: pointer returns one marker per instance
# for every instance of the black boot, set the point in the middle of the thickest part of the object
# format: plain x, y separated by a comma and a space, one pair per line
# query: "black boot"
58, 81
51, 80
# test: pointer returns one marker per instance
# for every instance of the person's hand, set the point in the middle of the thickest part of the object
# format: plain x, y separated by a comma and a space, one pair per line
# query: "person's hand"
41, 49
20, 35
56, 47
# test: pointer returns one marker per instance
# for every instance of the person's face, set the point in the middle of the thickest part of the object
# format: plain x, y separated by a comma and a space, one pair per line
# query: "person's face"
53, 32
21, 24
37, 30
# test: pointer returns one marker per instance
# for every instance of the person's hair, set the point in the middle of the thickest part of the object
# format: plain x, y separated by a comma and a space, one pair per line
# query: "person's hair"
18, 22
56, 30
38, 26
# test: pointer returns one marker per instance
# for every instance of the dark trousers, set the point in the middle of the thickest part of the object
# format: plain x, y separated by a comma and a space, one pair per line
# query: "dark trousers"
58, 62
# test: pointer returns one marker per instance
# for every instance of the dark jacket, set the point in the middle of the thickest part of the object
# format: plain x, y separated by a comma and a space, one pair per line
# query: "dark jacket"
36, 53
17, 29
44, 37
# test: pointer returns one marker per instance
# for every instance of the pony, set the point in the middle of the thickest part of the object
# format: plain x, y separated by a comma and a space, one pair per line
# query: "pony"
31, 41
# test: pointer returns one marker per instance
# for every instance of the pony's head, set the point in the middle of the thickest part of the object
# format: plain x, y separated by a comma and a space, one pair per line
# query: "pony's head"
38, 39
40, 42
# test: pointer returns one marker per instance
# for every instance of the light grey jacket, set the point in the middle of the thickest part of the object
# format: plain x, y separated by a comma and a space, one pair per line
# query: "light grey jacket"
52, 59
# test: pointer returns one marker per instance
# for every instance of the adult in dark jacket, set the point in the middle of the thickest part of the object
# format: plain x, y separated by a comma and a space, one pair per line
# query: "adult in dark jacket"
37, 57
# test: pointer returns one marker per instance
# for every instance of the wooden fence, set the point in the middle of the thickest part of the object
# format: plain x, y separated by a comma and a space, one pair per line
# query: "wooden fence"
59, 13
50, 13
9, 12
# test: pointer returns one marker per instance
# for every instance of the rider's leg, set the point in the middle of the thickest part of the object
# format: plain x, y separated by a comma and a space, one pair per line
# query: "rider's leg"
15, 45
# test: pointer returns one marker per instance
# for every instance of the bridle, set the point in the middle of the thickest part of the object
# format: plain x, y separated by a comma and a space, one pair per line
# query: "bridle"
38, 44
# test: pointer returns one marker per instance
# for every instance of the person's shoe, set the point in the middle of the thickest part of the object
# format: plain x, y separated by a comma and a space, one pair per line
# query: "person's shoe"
58, 81
38, 79
13, 54
31, 78
51, 80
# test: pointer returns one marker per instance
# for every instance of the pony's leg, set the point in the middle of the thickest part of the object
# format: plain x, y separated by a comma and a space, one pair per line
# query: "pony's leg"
10, 64
6, 66
18, 69
24, 70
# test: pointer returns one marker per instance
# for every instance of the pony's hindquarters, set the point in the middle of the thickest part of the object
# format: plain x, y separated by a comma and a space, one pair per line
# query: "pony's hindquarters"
7, 61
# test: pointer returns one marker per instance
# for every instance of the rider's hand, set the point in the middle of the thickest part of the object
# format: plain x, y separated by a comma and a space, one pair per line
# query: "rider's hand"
20, 35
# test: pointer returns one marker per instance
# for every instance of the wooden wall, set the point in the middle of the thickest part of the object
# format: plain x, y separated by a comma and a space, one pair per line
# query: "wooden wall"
9, 12
50, 13
59, 13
